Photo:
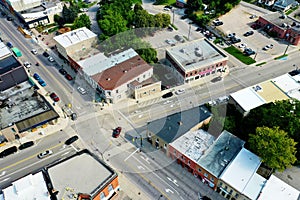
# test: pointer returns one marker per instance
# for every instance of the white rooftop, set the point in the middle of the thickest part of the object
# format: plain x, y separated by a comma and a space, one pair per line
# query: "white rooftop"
193, 144
4, 50
241, 174
248, 99
29, 187
74, 37
286, 83
276, 189
98, 63
193, 55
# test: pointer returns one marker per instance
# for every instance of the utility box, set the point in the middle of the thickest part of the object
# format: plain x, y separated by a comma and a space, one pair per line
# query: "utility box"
69, 112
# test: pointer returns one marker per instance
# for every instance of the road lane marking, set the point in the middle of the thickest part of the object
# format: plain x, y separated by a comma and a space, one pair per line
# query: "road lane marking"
173, 181
131, 154
169, 191
146, 159
3, 173
140, 167
25, 159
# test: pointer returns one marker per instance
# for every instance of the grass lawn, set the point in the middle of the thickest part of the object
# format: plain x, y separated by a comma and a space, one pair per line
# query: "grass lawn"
165, 2
239, 55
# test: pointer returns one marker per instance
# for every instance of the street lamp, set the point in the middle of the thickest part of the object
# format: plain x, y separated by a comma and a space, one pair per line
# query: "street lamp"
189, 31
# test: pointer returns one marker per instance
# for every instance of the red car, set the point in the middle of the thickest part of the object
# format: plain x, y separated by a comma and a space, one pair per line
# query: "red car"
116, 132
69, 77
54, 97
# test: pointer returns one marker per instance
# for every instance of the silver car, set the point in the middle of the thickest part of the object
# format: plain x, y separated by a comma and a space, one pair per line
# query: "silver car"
45, 154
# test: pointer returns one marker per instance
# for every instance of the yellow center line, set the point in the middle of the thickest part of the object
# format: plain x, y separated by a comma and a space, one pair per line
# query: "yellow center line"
25, 159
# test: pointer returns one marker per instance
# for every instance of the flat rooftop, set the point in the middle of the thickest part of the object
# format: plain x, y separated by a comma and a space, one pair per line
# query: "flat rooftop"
221, 153
193, 144
286, 83
192, 55
173, 126
82, 173
32, 186
277, 19
4, 50
276, 189
74, 37
19, 104
8, 63
87, 53
245, 164
98, 63
248, 98
270, 92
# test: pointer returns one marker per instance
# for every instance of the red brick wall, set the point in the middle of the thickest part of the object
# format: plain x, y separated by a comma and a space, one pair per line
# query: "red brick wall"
114, 183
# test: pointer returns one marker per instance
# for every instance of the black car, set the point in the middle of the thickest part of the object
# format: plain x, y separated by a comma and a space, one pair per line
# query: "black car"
248, 33
235, 40
62, 71
169, 7
167, 95
249, 52
26, 145
3, 14
9, 18
8, 151
71, 140
46, 54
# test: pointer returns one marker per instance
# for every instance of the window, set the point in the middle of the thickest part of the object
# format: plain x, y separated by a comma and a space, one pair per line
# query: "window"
117, 91
199, 170
165, 146
197, 77
195, 72
110, 188
102, 195
226, 187
212, 179
221, 184
144, 75
236, 195
230, 192
206, 175
189, 162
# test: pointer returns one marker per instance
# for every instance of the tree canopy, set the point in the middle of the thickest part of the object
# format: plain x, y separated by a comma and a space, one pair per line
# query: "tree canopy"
274, 146
82, 21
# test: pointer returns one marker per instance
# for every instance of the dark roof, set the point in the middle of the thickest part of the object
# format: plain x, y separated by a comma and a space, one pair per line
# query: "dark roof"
6, 64
173, 126
220, 153
36, 120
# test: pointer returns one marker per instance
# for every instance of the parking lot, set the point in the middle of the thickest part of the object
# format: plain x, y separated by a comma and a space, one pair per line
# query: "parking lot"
259, 39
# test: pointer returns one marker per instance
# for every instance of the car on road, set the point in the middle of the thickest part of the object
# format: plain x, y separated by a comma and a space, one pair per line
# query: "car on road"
116, 132
3, 14
249, 52
166, 8
69, 77
46, 54
36, 76
42, 82
267, 47
9, 19
26, 145
9, 44
34, 51
217, 22
45, 154
180, 91
248, 33
8, 151
54, 97
71, 140
219, 78
62, 71
179, 38
169, 7
51, 59
81, 90
167, 95
27, 64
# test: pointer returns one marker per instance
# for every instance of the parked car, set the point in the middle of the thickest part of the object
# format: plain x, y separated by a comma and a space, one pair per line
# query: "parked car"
9, 44
242, 45
27, 64
51, 59
248, 33
46, 54
54, 97
170, 41
267, 47
167, 6
9, 19
116, 132
170, 28
36, 76
249, 52
230, 35
45, 154
69, 77
179, 38
81, 90
217, 22
255, 26
166, 9
26, 145
71, 140
42, 82
167, 95
180, 91
235, 40
62, 71
8, 151
34, 51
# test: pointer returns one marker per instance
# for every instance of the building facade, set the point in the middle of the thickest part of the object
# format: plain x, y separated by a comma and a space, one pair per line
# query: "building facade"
193, 60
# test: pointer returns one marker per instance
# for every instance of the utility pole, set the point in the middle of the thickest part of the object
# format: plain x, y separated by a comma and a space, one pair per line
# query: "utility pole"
189, 32
286, 49
173, 10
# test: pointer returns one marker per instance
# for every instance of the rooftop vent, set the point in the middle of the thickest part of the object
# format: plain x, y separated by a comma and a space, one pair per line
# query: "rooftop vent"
125, 71
180, 123
182, 50
108, 79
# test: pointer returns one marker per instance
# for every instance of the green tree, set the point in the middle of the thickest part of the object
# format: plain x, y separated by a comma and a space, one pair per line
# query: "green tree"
194, 4
59, 20
275, 148
82, 21
148, 54
69, 14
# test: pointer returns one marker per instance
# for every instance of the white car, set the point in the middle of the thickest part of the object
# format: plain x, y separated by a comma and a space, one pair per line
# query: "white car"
81, 90
51, 59
167, 9
171, 42
242, 46
180, 91
27, 64
267, 47
34, 51
45, 154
